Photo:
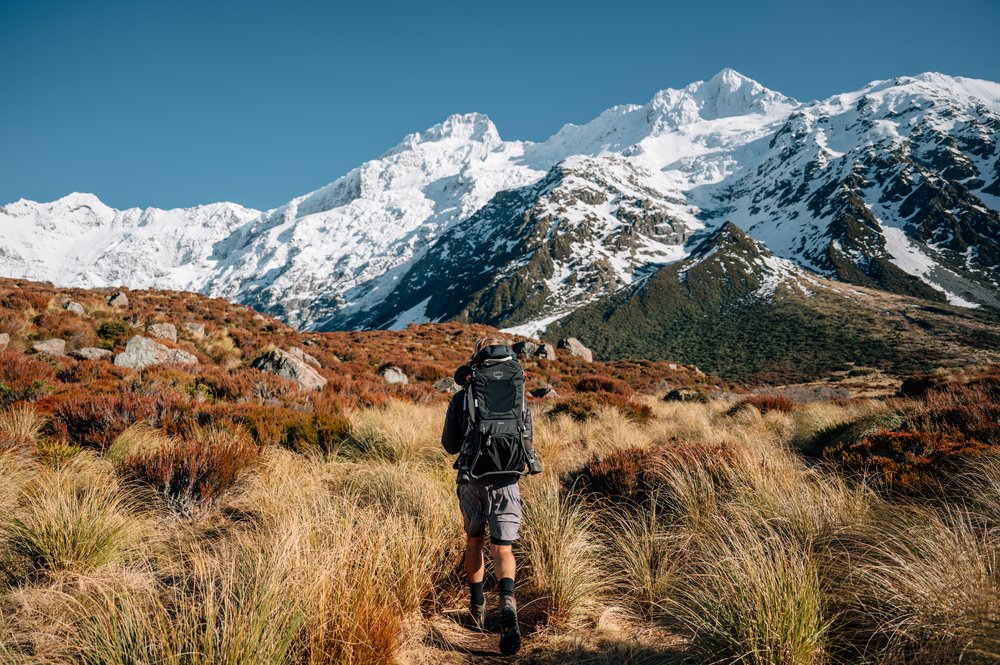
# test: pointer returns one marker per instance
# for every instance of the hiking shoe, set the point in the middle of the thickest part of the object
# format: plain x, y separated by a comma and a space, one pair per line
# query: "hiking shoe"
477, 616
510, 633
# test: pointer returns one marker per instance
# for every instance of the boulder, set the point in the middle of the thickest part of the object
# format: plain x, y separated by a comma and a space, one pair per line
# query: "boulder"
304, 357
392, 374
287, 366
546, 351
118, 299
575, 348
525, 349
90, 353
50, 347
446, 385
75, 307
142, 352
196, 330
166, 331
4, 341
547, 391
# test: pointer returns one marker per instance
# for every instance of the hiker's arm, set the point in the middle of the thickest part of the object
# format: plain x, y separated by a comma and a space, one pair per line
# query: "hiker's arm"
451, 436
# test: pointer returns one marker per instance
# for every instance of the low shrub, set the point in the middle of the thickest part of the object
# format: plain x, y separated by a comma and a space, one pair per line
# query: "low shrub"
686, 395
594, 383
625, 475
23, 378
764, 404
315, 432
94, 421
585, 406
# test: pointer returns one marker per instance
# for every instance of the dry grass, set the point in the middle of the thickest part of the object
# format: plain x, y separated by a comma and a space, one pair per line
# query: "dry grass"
20, 427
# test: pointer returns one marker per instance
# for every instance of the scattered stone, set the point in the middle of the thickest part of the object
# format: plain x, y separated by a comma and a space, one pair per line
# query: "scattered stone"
166, 331
75, 307
196, 330
287, 366
118, 299
446, 385
310, 342
4, 341
576, 348
546, 351
50, 347
392, 374
686, 395
142, 352
525, 349
672, 367
90, 353
544, 392
304, 357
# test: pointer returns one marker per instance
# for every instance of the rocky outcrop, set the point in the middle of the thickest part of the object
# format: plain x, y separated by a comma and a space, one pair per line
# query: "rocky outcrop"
288, 366
546, 352
167, 331
544, 392
525, 349
576, 348
118, 299
195, 330
142, 352
75, 307
90, 353
392, 375
50, 347
446, 385
304, 357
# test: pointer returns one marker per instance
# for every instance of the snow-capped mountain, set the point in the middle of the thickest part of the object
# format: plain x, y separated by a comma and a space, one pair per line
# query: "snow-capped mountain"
895, 186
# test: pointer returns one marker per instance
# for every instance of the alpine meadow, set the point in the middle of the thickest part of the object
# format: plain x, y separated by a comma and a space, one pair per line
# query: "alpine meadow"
751, 345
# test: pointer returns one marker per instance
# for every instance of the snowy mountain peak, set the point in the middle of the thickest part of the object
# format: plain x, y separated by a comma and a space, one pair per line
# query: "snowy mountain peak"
456, 128
725, 95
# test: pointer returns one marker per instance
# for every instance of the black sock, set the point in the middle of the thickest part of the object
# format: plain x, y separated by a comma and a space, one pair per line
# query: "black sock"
506, 586
477, 593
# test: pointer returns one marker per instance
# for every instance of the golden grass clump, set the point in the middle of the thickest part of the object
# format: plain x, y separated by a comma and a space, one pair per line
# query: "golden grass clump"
397, 432
20, 427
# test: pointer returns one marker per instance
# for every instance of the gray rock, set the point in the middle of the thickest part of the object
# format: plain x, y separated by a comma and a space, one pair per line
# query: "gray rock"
544, 392
90, 353
4, 341
75, 307
50, 347
575, 348
166, 331
287, 366
142, 352
446, 385
196, 330
546, 351
392, 374
525, 349
304, 357
118, 299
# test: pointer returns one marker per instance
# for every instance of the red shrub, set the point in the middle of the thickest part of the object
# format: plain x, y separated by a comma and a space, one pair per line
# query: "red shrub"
193, 470
585, 406
593, 383
94, 421
764, 404
24, 378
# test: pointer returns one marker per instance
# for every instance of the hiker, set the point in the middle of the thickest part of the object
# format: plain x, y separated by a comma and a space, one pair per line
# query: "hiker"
488, 425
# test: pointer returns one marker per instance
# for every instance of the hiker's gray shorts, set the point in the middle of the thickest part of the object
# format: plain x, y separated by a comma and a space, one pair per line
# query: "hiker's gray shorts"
500, 507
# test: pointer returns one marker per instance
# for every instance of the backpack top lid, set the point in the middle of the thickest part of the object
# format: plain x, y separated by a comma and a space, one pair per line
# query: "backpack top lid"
498, 352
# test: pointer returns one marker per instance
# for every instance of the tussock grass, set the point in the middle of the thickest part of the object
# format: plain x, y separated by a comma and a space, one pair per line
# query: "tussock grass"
397, 432
20, 427
65, 523
559, 546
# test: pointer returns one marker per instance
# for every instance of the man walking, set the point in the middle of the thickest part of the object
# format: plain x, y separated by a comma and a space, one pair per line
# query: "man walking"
489, 423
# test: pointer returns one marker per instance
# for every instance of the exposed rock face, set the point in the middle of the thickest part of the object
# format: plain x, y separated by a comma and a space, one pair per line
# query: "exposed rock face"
118, 299
446, 385
75, 307
4, 341
525, 349
304, 357
142, 352
546, 351
196, 330
290, 367
392, 374
166, 331
90, 353
50, 347
573, 345
544, 392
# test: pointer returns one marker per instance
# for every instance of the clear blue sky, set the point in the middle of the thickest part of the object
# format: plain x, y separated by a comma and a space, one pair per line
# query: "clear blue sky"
179, 102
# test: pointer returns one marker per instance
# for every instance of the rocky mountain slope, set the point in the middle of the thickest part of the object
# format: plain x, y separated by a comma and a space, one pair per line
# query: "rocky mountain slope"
895, 186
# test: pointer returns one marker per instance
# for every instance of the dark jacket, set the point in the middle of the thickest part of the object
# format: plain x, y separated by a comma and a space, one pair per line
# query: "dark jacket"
455, 421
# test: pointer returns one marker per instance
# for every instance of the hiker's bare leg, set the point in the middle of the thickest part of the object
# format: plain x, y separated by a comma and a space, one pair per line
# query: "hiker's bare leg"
503, 561
474, 565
